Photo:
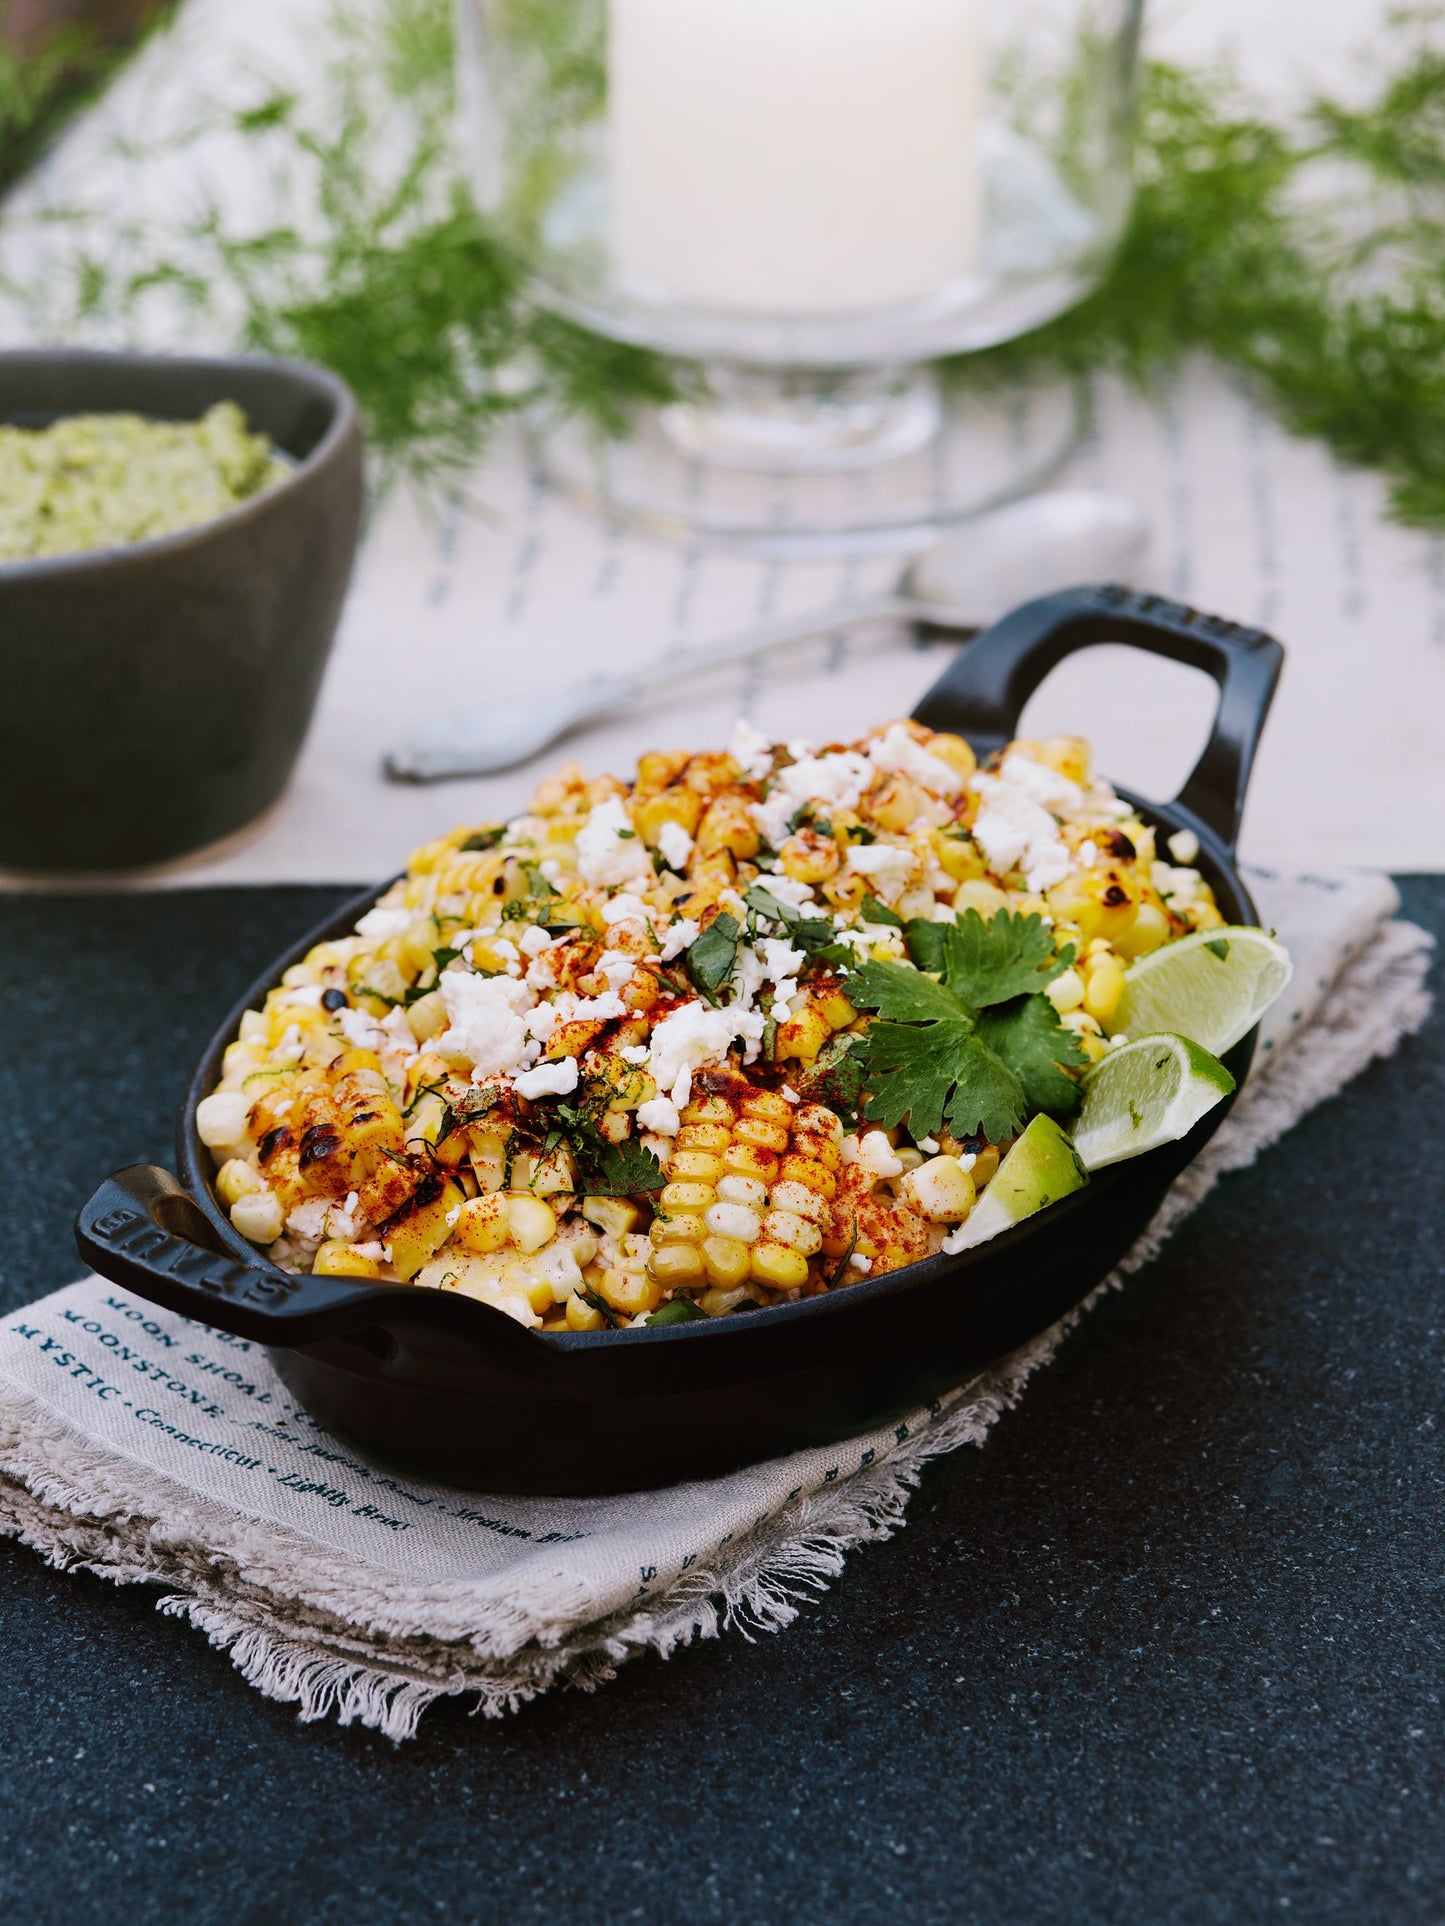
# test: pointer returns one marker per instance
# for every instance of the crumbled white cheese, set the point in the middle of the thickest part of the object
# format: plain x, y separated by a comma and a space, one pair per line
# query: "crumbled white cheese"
610, 853
617, 967
796, 895
533, 941
887, 866
929, 1145
635, 1053
306, 996
570, 1008
1184, 846
487, 1022
548, 1079
361, 1030
309, 1218
659, 1114
873, 1153
1087, 854
1044, 785
1177, 886
383, 923
675, 844
542, 1021
896, 749
683, 932
694, 1035
861, 1263
624, 908
1015, 831
839, 780
398, 1046
341, 1218
751, 750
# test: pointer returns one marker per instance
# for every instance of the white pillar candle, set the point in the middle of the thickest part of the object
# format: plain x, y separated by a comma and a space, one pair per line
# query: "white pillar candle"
794, 156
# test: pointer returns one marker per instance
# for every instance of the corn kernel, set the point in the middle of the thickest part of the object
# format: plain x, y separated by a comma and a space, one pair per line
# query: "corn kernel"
801, 1202
336, 1258
761, 1131
768, 1105
710, 1137
698, 1166
1066, 992
674, 1264
942, 1189
530, 1221
798, 1233
954, 751
1104, 985
743, 1190
482, 1225
630, 1292
726, 1260
810, 1172
686, 1196
733, 1220
582, 1316
708, 1110
778, 1266
613, 1216
258, 1217
749, 1160
236, 1179
683, 1227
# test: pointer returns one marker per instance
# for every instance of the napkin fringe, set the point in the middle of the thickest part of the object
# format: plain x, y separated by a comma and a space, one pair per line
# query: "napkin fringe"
309, 1643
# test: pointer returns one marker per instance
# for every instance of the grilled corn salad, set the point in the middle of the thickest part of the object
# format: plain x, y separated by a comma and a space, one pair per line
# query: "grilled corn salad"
680, 1048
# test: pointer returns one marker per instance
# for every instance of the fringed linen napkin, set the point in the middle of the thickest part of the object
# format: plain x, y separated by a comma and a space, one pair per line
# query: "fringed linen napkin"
146, 1448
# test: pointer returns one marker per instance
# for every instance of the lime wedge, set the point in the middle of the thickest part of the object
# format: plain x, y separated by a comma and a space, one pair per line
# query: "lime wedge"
1212, 986
1041, 1168
1143, 1094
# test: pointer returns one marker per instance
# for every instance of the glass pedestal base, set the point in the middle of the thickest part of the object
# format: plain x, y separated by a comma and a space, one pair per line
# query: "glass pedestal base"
790, 466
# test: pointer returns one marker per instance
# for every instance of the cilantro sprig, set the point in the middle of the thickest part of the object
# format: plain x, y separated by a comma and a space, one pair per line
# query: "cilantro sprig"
965, 1033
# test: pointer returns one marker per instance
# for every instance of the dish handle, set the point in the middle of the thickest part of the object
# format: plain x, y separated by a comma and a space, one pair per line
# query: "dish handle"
144, 1231
982, 693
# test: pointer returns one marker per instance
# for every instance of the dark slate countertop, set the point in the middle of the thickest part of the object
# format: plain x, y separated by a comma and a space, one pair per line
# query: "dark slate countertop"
1171, 1647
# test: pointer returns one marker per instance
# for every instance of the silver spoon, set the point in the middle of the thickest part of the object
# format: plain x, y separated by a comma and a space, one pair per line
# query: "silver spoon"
963, 582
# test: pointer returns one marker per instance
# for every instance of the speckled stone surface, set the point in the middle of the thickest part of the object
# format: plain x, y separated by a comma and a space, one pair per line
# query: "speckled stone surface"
1171, 1647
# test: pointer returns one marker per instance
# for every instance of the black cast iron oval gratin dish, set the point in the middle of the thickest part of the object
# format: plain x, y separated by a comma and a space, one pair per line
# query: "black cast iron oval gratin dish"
449, 1386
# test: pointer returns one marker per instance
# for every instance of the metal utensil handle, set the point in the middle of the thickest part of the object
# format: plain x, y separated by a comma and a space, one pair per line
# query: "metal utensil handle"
144, 1231
982, 693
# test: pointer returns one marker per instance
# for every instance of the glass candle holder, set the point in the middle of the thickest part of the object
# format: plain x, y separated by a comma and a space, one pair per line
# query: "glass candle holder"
806, 203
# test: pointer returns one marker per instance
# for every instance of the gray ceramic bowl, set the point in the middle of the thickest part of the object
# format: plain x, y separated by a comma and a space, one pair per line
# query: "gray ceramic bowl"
156, 696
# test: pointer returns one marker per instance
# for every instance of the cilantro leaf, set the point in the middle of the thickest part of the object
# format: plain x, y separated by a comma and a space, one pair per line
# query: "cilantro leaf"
619, 1170
486, 838
1027, 1035
712, 956
903, 994
811, 932
678, 1310
835, 1077
924, 1072
1009, 956
870, 910
925, 940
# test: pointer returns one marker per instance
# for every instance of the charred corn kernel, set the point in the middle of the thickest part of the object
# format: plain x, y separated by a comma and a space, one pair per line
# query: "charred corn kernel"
221, 1119
802, 1201
423, 1224
1103, 987
751, 1191
1148, 930
582, 1316
750, 1160
798, 1233
613, 1216
802, 1036
483, 1224
674, 1264
768, 1105
942, 1189
704, 1136
258, 1217
1066, 992
897, 802
630, 1292
727, 824
761, 1131
680, 806
336, 1258
726, 1260
236, 1179
954, 751
809, 858
697, 1166
778, 1266
738, 1221
531, 1222
957, 855
686, 1197
1068, 754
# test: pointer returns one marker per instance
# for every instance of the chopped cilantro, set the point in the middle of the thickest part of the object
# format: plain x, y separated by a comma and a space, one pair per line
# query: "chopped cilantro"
870, 910
712, 957
620, 1170
679, 1310
835, 1078
440, 959
600, 1305
486, 838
